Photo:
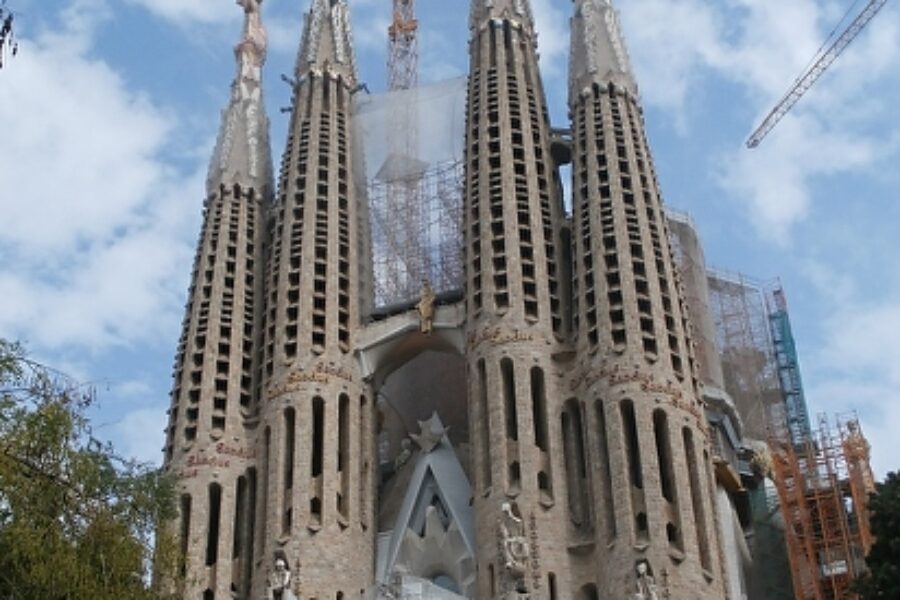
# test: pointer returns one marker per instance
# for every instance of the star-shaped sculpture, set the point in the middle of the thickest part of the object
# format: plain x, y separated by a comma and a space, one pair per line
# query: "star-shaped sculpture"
432, 431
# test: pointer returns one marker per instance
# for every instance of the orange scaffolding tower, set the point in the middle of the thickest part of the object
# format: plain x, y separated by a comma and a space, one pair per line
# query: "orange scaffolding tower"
823, 484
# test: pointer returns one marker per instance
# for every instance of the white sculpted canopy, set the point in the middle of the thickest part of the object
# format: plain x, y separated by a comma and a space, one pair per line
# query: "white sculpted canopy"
434, 530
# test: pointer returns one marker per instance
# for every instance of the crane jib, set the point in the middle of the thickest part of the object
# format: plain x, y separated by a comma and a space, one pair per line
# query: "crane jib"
809, 77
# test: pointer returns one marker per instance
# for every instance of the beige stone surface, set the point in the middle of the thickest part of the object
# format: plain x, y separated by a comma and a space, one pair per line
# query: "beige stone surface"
582, 411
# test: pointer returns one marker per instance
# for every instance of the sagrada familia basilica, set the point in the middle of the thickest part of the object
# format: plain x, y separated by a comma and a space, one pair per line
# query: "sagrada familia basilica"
537, 432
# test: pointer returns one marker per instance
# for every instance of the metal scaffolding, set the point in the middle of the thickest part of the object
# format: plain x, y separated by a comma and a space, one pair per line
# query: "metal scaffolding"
415, 190
759, 357
794, 424
822, 485
411, 247
749, 364
687, 250
399, 210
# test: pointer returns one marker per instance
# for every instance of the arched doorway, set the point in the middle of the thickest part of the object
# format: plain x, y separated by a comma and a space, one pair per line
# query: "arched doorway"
425, 519
432, 382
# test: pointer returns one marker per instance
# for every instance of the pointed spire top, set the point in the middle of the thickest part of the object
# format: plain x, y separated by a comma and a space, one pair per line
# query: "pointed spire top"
327, 40
517, 11
254, 32
598, 53
242, 152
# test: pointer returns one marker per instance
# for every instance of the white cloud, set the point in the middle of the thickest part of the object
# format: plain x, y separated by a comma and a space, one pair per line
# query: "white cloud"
759, 44
93, 141
682, 48
191, 11
864, 341
140, 435
858, 367
669, 43
134, 388
854, 365
775, 184
552, 23
370, 31
285, 32
98, 227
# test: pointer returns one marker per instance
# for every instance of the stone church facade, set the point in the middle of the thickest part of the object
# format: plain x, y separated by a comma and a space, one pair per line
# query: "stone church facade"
539, 434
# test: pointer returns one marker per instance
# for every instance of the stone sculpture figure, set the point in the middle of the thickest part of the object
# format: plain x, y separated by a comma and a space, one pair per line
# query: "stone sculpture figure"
280, 582
426, 308
646, 584
761, 462
516, 551
431, 433
404, 455
856, 445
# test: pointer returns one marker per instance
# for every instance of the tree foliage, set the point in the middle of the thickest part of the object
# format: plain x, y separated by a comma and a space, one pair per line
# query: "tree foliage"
76, 521
882, 582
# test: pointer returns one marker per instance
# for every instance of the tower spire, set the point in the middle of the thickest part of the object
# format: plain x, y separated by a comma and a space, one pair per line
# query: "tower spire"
514, 290
327, 40
316, 409
631, 317
242, 153
215, 399
598, 54
518, 11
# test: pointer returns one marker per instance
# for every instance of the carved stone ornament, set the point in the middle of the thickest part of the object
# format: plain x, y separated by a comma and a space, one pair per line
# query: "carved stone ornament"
336, 14
644, 581
856, 446
251, 51
426, 308
252, 116
761, 462
239, 146
616, 41
598, 49
431, 432
590, 15
404, 455
516, 10
339, 24
314, 31
523, 9
514, 552
279, 584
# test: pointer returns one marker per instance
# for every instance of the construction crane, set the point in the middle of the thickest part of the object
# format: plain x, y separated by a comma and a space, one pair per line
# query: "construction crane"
403, 47
812, 74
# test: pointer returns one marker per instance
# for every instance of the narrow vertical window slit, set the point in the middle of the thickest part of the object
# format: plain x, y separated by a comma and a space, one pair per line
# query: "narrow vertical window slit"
212, 529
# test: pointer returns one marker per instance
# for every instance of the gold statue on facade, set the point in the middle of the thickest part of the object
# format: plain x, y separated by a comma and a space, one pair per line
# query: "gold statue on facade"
426, 308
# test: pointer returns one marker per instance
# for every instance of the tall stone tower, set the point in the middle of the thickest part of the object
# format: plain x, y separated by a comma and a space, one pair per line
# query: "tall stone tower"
315, 447
514, 322
654, 502
536, 434
210, 444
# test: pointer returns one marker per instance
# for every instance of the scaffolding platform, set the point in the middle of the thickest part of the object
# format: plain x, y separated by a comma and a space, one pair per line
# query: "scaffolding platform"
822, 486
410, 164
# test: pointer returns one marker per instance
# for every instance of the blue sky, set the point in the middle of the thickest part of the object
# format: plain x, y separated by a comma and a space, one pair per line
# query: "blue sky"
109, 113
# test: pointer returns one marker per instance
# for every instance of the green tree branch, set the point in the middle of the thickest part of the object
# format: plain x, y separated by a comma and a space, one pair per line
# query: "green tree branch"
77, 521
